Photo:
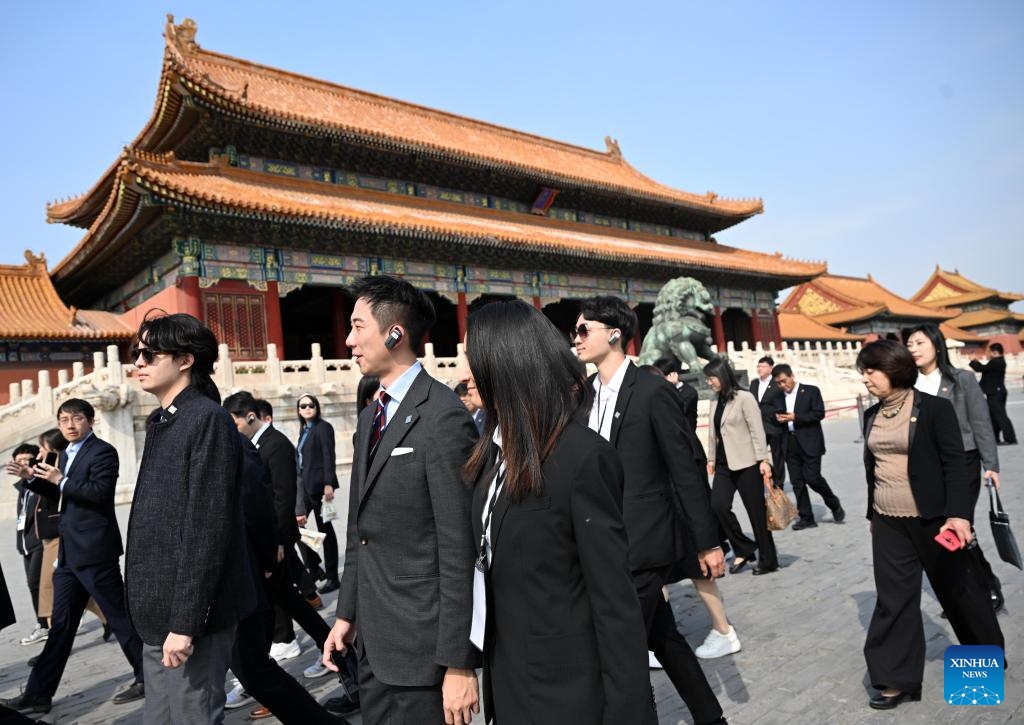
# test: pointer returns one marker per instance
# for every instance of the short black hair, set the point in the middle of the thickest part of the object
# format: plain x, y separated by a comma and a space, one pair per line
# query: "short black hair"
612, 311
653, 370
668, 365
365, 391
77, 406
182, 334
892, 358
394, 301
782, 369
29, 448
996, 347
264, 409
241, 404
767, 359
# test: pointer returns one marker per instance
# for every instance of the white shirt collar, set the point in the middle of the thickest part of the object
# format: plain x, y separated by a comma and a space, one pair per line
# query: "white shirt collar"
929, 383
398, 389
616, 382
256, 437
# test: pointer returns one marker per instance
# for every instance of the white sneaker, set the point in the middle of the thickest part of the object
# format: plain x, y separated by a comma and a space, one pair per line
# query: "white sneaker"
39, 634
652, 661
282, 651
317, 669
718, 645
237, 697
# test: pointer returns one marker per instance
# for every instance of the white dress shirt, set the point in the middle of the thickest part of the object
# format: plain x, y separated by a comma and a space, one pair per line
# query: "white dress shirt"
397, 391
791, 402
929, 383
762, 387
605, 397
256, 437
71, 451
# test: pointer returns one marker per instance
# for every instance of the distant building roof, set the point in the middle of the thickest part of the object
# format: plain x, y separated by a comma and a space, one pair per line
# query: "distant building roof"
839, 300
952, 289
31, 309
798, 326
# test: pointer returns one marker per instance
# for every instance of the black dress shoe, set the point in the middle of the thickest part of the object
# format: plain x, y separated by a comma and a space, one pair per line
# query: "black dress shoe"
342, 705
737, 566
33, 660
804, 524
28, 704
332, 585
107, 632
838, 515
884, 702
759, 570
136, 692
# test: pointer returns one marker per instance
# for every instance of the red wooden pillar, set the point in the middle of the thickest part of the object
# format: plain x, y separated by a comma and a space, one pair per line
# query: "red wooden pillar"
755, 327
536, 302
461, 315
778, 327
340, 317
275, 328
719, 331
193, 298
631, 347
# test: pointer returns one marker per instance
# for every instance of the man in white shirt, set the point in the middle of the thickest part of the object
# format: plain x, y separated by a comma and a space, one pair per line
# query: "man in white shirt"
771, 401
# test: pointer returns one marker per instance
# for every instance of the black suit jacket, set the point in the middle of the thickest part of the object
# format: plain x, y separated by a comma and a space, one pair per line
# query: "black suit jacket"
689, 397
809, 411
260, 519
187, 567
993, 374
773, 401
565, 640
408, 577
318, 462
940, 477
666, 498
278, 456
89, 533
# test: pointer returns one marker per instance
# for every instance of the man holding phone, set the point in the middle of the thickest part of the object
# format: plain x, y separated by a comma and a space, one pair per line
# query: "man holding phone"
83, 483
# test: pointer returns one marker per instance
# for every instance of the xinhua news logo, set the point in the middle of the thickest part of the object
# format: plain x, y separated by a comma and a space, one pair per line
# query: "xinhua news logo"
974, 674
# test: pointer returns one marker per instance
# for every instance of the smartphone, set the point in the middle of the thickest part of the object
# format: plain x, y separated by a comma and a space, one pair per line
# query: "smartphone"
51, 458
948, 539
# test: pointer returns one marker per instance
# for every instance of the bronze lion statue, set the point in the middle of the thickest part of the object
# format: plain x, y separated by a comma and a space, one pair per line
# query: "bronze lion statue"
678, 326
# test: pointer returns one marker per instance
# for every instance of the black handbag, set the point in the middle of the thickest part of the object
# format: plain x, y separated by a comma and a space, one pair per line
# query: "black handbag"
1000, 520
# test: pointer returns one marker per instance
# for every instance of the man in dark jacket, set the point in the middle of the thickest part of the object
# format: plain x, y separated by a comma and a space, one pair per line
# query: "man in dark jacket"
27, 536
993, 384
187, 566
87, 561
771, 401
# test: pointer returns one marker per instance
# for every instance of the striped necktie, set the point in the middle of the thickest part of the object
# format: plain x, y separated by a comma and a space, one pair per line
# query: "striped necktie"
380, 422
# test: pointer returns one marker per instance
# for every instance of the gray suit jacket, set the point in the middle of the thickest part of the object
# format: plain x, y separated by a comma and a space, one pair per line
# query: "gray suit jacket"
972, 414
408, 578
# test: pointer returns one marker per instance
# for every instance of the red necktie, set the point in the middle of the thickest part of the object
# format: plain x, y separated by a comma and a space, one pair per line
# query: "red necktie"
380, 422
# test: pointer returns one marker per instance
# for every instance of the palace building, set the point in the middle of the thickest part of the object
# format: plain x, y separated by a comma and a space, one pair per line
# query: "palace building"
253, 196
977, 309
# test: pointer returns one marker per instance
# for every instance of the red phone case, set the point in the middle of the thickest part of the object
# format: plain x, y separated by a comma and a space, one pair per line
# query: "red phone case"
948, 539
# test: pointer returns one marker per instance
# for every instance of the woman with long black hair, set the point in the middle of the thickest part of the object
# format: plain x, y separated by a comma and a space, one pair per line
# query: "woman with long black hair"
318, 480
937, 376
738, 460
555, 611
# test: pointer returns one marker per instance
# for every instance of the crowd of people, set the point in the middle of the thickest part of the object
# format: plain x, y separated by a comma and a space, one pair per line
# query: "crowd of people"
526, 523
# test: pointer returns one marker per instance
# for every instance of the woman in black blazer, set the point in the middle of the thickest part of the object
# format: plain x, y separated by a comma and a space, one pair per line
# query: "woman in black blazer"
918, 485
555, 611
318, 479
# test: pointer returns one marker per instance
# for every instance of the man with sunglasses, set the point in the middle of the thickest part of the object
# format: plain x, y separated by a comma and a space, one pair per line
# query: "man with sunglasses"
187, 566
666, 504
83, 483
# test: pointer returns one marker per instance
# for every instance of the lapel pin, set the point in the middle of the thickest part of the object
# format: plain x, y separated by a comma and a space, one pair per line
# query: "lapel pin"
617, 414
172, 409
945, 390
913, 419
408, 419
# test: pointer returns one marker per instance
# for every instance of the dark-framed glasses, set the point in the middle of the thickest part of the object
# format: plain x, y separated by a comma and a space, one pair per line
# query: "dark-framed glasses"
583, 331
307, 406
146, 353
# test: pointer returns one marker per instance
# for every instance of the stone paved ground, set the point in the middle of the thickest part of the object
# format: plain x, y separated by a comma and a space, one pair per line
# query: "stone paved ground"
802, 629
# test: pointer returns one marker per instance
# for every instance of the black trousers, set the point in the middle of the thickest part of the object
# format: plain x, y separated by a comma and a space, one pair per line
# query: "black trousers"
72, 588
264, 679
903, 547
749, 483
777, 443
330, 560
1000, 420
33, 570
671, 648
380, 703
804, 473
290, 604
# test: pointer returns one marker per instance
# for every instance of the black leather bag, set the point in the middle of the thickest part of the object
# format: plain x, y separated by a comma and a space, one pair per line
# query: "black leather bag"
1006, 543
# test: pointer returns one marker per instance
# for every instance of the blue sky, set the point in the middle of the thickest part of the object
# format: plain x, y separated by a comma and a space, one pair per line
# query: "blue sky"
883, 137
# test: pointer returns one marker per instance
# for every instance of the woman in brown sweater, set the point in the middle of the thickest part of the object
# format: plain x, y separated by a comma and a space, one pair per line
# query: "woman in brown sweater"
918, 485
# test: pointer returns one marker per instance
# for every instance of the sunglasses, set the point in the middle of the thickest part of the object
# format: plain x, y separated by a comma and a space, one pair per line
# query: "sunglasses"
583, 332
307, 406
146, 353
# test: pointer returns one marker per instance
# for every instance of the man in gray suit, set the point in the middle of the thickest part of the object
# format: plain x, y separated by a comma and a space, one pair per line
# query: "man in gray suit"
408, 577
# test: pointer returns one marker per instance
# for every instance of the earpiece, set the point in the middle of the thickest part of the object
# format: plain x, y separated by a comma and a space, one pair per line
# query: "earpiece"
393, 338
613, 339
251, 419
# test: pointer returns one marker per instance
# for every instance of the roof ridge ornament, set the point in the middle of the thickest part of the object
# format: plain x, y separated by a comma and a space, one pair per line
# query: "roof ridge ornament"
182, 36
36, 261
612, 144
